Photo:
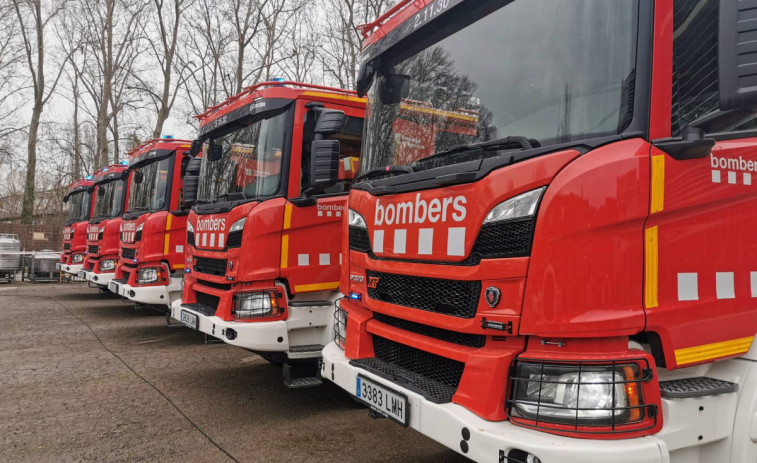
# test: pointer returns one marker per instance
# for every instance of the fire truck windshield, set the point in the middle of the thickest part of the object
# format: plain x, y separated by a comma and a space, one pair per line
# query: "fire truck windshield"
546, 71
250, 167
109, 199
78, 206
150, 193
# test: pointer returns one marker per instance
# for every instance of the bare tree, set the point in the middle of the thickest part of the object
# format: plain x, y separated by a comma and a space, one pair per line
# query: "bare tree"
32, 24
11, 58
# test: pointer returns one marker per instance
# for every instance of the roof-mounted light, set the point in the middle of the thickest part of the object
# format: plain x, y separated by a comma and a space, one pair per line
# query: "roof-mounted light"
125, 162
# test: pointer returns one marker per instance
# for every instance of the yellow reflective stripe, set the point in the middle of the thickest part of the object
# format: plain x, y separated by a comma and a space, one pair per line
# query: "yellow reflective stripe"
287, 216
167, 238
651, 268
713, 351
334, 96
658, 184
316, 287
284, 250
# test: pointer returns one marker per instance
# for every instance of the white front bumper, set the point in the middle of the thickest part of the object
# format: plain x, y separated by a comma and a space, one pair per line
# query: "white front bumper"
271, 336
100, 279
72, 269
149, 295
488, 439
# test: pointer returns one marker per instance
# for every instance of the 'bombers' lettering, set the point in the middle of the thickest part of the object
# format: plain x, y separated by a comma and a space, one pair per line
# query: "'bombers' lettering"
211, 224
436, 210
733, 164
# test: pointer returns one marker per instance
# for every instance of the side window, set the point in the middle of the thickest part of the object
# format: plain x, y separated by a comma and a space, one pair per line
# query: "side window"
350, 142
695, 61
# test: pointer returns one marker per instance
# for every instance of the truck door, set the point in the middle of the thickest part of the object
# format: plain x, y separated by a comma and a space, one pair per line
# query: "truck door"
312, 232
701, 251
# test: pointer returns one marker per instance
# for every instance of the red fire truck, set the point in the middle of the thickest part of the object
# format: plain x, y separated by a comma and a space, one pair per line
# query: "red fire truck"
264, 237
154, 226
103, 240
578, 281
79, 199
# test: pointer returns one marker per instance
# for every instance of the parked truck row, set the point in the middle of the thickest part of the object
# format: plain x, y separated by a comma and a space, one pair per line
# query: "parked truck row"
528, 233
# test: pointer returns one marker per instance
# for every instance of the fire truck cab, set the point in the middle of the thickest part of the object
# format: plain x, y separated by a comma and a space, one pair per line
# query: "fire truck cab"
111, 193
79, 200
154, 227
575, 280
264, 237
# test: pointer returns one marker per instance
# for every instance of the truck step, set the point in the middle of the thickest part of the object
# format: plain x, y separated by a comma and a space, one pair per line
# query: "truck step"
696, 387
306, 348
297, 383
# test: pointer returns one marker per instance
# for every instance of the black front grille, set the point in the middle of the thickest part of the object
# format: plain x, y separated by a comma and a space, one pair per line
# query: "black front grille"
433, 376
66, 246
126, 277
210, 266
93, 249
190, 239
235, 239
359, 240
511, 238
208, 302
463, 339
448, 297
128, 253
211, 284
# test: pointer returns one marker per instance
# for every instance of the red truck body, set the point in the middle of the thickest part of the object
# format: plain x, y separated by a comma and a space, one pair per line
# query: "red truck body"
80, 207
153, 230
111, 194
496, 284
275, 244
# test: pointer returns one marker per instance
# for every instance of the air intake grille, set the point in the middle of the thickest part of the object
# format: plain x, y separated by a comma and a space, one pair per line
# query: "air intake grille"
511, 238
463, 339
66, 246
235, 239
208, 301
210, 266
138, 236
128, 253
359, 240
448, 297
93, 249
190, 239
435, 377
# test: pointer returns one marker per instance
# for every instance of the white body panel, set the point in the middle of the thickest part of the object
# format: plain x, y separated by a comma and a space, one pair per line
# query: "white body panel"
150, 295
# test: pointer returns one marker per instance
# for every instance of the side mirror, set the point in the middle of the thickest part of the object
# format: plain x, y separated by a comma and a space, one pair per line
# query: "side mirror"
394, 88
100, 192
737, 62
324, 165
330, 122
66, 198
364, 78
191, 182
215, 152
196, 147
138, 177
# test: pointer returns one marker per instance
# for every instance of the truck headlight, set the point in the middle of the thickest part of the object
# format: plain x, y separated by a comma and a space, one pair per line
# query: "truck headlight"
238, 225
256, 305
147, 275
190, 234
77, 258
107, 265
340, 327
577, 394
523, 205
355, 220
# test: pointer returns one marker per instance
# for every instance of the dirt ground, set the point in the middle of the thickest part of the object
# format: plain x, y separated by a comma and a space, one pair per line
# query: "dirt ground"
86, 377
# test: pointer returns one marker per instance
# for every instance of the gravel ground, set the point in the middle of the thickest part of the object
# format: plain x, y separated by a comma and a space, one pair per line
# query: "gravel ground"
86, 377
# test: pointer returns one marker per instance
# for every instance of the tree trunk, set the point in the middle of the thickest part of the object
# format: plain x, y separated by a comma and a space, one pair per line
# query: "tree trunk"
76, 151
27, 211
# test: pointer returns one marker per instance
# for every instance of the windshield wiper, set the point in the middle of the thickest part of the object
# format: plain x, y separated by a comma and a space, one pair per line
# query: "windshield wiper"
498, 144
379, 171
229, 196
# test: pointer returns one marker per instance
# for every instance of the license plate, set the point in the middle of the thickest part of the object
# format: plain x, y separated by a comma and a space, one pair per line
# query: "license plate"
82, 274
113, 287
383, 400
190, 319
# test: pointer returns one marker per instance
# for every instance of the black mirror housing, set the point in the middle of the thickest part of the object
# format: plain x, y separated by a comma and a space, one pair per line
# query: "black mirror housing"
191, 182
324, 164
737, 65
138, 177
365, 75
394, 88
195, 148
215, 152
330, 122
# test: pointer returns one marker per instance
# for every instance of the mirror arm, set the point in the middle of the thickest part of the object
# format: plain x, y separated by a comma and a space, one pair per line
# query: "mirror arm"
691, 145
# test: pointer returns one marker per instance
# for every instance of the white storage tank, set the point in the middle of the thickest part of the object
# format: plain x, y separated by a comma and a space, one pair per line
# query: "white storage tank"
10, 249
